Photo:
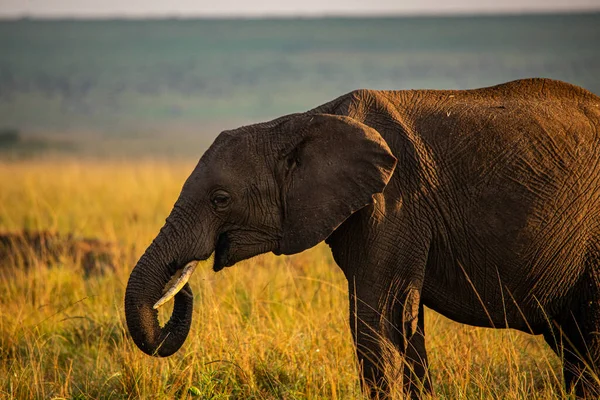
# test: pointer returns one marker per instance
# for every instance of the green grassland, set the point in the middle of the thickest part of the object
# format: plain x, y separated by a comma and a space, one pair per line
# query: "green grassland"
268, 328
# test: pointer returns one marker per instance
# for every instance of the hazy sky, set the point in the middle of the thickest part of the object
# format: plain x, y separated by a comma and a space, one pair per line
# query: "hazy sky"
99, 8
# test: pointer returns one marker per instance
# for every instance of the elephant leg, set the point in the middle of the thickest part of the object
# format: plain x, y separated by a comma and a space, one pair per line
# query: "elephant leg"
580, 352
575, 337
385, 280
411, 342
392, 324
365, 322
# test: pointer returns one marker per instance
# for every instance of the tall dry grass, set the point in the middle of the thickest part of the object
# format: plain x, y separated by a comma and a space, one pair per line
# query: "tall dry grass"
268, 328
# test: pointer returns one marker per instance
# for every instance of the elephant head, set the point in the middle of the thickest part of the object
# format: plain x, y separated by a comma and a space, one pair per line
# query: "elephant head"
281, 187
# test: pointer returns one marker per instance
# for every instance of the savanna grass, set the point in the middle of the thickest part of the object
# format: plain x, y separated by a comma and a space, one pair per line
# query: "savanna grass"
268, 328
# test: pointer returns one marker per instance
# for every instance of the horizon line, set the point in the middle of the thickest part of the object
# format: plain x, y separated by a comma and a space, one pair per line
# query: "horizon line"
287, 16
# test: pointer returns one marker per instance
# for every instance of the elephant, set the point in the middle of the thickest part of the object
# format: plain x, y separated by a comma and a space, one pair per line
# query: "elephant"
481, 204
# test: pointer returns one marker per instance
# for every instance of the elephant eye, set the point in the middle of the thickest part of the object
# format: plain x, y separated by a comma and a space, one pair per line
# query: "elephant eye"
220, 199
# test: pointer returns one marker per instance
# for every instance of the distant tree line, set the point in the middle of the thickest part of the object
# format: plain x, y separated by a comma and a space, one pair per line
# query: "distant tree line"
9, 137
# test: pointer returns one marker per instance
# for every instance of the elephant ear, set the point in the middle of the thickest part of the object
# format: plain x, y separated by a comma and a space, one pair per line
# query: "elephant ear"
332, 169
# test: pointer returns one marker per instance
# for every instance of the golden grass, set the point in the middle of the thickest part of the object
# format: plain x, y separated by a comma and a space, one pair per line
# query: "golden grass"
268, 328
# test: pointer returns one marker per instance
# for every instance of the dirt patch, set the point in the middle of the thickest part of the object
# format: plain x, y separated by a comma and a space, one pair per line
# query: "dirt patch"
30, 248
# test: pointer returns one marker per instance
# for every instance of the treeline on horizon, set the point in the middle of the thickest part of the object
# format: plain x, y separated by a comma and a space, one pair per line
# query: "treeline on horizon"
151, 78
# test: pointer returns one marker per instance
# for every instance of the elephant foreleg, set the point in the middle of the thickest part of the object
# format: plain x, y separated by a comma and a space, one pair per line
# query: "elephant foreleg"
389, 336
385, 280
365, 323
411, 342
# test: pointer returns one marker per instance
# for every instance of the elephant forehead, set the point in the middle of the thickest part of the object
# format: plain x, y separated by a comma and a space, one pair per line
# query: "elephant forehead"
227, 140
230, 162
226, 151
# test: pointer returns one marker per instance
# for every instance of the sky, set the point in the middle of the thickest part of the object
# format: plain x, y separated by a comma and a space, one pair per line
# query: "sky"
258, 8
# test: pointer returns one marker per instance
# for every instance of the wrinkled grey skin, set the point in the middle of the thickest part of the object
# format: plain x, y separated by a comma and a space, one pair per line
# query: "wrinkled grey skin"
482, 205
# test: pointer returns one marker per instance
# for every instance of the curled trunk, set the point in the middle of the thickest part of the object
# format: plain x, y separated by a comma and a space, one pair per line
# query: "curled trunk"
145, 287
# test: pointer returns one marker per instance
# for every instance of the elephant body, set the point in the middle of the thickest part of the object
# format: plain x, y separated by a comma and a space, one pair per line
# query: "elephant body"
499, 190
480, 204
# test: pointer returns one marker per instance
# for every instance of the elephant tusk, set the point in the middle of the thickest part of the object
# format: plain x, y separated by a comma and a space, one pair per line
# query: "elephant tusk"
188, 270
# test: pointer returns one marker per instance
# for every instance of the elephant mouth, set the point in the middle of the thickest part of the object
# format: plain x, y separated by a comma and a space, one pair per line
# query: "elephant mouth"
240, 244
225, 256
222, 248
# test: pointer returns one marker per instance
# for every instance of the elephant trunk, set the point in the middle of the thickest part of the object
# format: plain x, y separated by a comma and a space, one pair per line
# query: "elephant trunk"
146, 286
